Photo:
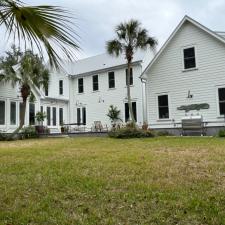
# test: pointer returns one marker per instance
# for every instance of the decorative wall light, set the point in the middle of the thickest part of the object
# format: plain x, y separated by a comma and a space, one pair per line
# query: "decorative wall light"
100, 100
78, 103
189, 94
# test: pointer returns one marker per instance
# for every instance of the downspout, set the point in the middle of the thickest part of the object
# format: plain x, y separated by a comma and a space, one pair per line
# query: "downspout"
144, 103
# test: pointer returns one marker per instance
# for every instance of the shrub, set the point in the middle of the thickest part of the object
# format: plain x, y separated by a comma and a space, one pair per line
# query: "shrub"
3, 137
130, 132
28, 132
163, 133
221, 133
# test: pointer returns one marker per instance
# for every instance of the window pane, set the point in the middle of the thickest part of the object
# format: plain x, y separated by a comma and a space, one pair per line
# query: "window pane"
189, 63
13, 113
84, 115
222, 108
189, 52
80, 85
163, 112
111, 79
163, 105
189, 58
54, 116
2, 113
78, 116
61, 87
163, 100
48, 116
126, 112
222, 94
31, 114
61, 116
46, 91
95, 82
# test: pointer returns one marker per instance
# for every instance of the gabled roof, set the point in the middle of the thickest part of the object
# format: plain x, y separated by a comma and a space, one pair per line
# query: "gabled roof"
218, 35
99, 63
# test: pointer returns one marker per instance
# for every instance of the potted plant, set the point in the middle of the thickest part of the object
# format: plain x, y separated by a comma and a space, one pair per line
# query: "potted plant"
40, 117
114, 116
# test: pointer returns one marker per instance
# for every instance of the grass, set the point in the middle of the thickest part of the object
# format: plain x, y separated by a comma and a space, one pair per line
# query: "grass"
110, 181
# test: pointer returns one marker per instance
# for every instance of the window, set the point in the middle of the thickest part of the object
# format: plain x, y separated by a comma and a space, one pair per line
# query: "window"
61, 87
131, 76
95, 82
46, 91
221, 93
2, 112
84, 115
54, 116
13, 113
48, 116
42, 110
78, 116
163, 105
80, 85
111, 77
21, 108
127, 113
31, 114
189, 58
61, 116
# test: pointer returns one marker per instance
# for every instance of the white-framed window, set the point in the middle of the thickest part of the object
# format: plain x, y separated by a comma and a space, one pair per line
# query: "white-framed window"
81, 116
111, 79
163, 106
189, 58
61, 116
12, 113
2, 112
61, 87
31, 114
95, 83
127, 112
221, 99
80, 85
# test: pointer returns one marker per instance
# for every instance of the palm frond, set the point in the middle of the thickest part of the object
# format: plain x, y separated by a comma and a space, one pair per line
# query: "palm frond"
114, 47
48, 26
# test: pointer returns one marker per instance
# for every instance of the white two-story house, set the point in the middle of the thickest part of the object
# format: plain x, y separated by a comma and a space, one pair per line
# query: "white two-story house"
187, 72
79, 93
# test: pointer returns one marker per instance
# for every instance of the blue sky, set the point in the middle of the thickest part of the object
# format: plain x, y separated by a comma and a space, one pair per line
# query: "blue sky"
96, 19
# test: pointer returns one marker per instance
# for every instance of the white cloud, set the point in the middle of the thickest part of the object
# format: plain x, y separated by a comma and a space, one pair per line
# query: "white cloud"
97, 18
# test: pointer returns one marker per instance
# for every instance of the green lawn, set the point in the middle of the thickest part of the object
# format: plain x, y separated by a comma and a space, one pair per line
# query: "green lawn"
107, 181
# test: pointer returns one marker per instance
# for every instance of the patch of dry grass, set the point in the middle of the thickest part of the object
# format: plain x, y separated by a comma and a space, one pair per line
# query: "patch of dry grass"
109, 181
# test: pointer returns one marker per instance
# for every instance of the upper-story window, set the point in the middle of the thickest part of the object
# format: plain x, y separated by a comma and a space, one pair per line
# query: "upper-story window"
221, 94
111, 77
189, 58
80, 85
163, 106
95, 82
131, 76
61, 87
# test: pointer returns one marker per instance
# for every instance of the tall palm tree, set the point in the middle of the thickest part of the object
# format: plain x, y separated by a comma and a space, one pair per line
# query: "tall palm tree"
46, 27
30, 72
130, 37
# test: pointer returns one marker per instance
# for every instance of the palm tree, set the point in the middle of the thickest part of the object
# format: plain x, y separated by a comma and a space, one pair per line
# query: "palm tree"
41, 26
130, 37
27, 70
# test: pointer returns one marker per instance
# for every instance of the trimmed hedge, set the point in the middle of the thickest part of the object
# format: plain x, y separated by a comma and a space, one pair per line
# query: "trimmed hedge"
131, 132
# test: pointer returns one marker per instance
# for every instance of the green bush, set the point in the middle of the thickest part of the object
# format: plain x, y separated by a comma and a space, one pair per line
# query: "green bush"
131, 132
29, 132
221, 133
3, 137
163, 133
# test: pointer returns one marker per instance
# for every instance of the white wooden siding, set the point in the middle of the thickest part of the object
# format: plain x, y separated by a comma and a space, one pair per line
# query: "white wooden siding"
167, 75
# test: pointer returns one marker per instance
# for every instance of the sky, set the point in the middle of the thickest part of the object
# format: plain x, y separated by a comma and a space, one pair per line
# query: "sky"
95, 20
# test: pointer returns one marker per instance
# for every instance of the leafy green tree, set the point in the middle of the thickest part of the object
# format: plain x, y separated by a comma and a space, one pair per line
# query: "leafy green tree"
46, 27
130, 36
26, 69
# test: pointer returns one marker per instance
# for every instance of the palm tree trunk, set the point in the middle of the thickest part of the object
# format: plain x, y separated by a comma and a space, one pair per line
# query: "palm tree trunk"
128, 93
25, 92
